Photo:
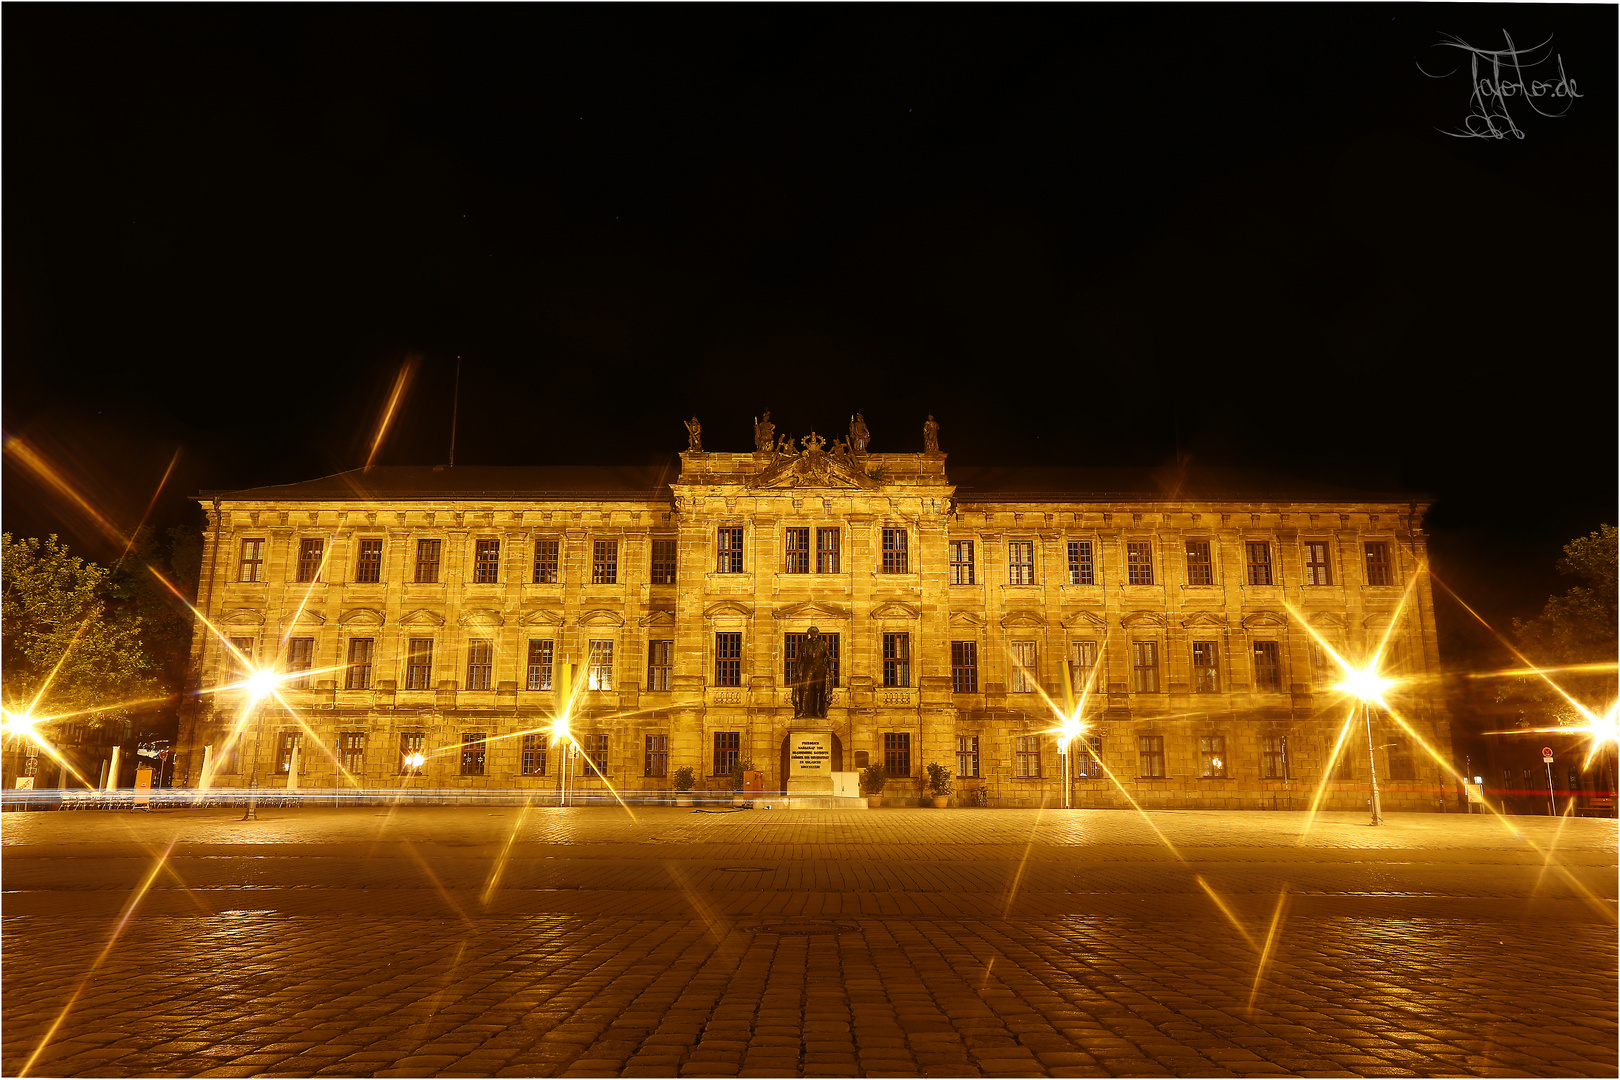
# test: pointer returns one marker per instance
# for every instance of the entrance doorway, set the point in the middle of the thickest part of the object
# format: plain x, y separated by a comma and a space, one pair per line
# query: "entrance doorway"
782, 776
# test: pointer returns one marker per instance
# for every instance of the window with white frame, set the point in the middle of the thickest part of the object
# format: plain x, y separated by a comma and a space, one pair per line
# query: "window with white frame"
1027, 757
1023, 677
1021, 562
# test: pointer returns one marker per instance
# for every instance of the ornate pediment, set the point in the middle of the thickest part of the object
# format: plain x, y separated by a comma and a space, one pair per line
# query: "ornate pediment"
661, 617
1204, 619
1375, 620
1264, 618
306, 617
1329, 618
812, 467
422, 617
541, 617
1084, 620
1132, 620
894, 609
812, 610
1022, 618
966, 618
362, 617
601, 617
725, 608
242, 617
482, 617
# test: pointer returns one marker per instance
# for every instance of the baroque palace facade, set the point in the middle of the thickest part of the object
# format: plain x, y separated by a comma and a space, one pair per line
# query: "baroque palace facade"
433, 606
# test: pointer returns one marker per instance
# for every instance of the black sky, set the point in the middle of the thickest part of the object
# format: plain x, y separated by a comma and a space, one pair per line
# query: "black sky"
1076, 234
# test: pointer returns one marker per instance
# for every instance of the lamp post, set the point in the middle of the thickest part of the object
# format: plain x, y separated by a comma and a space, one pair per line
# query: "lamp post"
260, 683
1372, 762
1367, 686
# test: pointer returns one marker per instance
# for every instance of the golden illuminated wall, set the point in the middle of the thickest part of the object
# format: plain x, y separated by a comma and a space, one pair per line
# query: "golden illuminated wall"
861, 604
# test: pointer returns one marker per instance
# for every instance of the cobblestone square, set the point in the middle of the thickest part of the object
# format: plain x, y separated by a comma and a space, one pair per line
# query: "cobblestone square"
504, 941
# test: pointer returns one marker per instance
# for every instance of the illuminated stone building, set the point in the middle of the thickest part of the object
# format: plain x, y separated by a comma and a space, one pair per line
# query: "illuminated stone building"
433, 606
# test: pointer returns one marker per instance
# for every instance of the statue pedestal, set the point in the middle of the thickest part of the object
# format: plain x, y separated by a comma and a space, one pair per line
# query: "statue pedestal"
810, 776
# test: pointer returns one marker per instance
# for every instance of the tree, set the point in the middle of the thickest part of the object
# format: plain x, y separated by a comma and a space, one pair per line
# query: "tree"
55, 616
1576, 627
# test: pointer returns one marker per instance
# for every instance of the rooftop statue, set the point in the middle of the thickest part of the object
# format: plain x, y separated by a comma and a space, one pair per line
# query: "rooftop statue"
930, 436
764, 434
858, 435
694, 436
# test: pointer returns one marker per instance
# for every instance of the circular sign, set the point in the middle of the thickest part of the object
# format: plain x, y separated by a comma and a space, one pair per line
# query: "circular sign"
1546, 751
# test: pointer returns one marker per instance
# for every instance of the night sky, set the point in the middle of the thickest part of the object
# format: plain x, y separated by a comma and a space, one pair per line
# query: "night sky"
1075, 234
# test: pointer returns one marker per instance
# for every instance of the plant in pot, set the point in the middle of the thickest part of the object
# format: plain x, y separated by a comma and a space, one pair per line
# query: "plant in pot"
872, 780
939, 784
738, 767
685, 780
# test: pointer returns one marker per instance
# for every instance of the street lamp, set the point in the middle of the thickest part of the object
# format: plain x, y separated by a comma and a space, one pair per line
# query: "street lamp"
1368, 686
260, 684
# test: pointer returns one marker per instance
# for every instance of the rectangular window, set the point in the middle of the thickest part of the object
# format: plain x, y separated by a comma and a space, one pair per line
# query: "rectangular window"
1023, 676
965, 667
1316, 563
1145, 664
1267, 669
412, 752
663, 562
796, 551
427, 562
1088, 757
1274, 757
897, 753
472, 753
1401, 766
1082, 569
545, 562
605, 562
728, 659
239, 661
1139, 562
252, 561
358, 675
1212, 756
1206, 672
1150, 756
539, 667
284, 749
1200, 571
1021, 562
790, 652
660, 664
1377, 563
1027, 757
368, 568
967, 754
480, 663
300, 657
657, 761
534, 754
962, 562
1258, 554
727, 745
352, 752
728, 550
827, 550
311, 554
599, 676
596, 755
896, 554
896, 659
1083, 662
419, 664
486, 561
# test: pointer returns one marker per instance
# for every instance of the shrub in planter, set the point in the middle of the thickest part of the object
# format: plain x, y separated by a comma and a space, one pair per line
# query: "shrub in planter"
685, 778
939, 783
872, 781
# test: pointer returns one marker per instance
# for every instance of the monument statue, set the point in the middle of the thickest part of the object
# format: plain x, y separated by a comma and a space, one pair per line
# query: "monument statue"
930, 435
812, 676
764, 434
694, 436
858, 435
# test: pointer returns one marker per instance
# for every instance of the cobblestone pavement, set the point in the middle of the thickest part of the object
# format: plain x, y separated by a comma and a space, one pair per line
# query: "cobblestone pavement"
896, 942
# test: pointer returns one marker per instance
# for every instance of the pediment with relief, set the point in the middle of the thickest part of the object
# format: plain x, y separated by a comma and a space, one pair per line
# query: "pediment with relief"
601, 617
1084, 620
422, 617
1022, 618
812, 467
363, 617
1144, 618
811, 609
894, 609
542, 617
1264, 618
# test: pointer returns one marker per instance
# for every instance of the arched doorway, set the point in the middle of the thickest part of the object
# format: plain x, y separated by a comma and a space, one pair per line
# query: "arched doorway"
782, 769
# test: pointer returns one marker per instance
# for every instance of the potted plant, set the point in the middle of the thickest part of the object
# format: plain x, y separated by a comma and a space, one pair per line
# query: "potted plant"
872, 781
738, 767
939, 784
685, 780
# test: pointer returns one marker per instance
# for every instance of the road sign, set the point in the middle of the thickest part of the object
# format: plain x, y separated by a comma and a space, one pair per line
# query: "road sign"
1546, 753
